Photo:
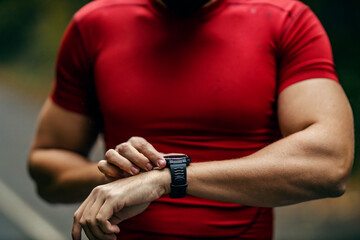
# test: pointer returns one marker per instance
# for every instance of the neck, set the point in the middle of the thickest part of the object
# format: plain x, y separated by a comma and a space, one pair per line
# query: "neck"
185, 7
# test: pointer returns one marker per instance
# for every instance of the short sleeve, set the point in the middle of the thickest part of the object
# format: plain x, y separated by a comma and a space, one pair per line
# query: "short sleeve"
74, 87
304, 50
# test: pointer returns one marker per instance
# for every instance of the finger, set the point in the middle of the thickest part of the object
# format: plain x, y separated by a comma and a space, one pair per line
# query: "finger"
76, 231
144, 147
92, 228
91, 236
83, 220
90, 218
121, 162
129, 152
128, 212
111, 226
88, 233
169, 154
105, 213
111, 171
76, 228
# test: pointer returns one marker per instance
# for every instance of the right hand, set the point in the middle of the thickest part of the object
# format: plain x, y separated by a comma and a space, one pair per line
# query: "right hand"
109, 204
130, 158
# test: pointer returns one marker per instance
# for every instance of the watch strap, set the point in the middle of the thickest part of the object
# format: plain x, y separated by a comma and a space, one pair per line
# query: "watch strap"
177, 165
178, 180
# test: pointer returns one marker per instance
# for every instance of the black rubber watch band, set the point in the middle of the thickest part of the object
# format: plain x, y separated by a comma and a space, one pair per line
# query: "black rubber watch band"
177, 165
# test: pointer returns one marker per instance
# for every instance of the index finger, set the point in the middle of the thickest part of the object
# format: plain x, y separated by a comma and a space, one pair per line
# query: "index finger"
145, 148
103, 217
76, 231
76, 228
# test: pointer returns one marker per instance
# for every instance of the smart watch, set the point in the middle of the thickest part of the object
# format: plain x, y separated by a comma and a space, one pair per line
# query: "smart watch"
177, 165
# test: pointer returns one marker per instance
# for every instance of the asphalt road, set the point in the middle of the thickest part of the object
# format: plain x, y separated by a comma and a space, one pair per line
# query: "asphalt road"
18, 116
23, 215
17, 123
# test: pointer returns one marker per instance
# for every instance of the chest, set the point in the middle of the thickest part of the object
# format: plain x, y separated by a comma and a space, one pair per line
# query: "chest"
214, 77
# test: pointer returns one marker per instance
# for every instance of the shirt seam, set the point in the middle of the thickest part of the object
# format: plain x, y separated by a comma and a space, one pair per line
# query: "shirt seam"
77, 29
293, 18
108, 6
260, 3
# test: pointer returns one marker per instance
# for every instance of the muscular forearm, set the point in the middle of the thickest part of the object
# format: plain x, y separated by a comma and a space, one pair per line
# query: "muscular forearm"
307, 165
63, 176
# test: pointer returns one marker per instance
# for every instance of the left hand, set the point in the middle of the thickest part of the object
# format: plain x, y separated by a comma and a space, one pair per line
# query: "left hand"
130, 158
109, 204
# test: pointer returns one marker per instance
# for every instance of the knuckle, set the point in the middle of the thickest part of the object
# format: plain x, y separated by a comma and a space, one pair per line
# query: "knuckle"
97, 190
122, 147
110, 196
88, 221
109, 154
98, 219
82, 221
136, 139
76, 217
142, 145
102, 164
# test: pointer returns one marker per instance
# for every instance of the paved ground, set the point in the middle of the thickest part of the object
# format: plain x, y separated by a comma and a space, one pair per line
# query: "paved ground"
9, 230
23, 215
17, 118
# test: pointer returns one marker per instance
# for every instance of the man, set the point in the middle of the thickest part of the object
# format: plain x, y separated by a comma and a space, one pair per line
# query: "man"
246, 88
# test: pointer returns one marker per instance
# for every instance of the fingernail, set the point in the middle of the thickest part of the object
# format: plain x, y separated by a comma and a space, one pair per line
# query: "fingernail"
161, 163
134, 170
149, 166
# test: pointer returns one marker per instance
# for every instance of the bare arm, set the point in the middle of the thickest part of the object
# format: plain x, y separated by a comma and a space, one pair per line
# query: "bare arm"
312, 161
57, 160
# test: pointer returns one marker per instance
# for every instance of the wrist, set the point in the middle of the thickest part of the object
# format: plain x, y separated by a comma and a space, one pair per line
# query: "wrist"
177, 163
163, 180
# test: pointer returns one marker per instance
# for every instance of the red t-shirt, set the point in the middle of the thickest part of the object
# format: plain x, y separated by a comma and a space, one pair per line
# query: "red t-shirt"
206, 85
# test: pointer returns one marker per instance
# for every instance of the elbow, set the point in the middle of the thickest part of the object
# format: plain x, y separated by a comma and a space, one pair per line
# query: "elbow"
337, 189
47, 195
44, 189
337, 177
338, 163
43, 180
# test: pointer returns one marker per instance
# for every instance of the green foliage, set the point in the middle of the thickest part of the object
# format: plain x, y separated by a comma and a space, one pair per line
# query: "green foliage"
17, 21
30, 34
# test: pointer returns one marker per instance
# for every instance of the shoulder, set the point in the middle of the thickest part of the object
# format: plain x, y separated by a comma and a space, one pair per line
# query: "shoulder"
290, 7
100, 6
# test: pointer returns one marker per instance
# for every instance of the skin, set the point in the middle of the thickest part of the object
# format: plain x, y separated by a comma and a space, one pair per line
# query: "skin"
312, 161
58, 157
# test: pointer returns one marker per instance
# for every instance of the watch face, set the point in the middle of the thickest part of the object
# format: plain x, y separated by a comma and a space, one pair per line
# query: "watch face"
178, 158
177, 155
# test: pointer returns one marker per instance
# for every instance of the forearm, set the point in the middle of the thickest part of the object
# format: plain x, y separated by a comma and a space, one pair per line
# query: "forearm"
306, 165
63, 176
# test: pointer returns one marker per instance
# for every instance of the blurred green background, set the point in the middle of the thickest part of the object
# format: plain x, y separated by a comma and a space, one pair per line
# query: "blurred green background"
31, 30
30, 34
